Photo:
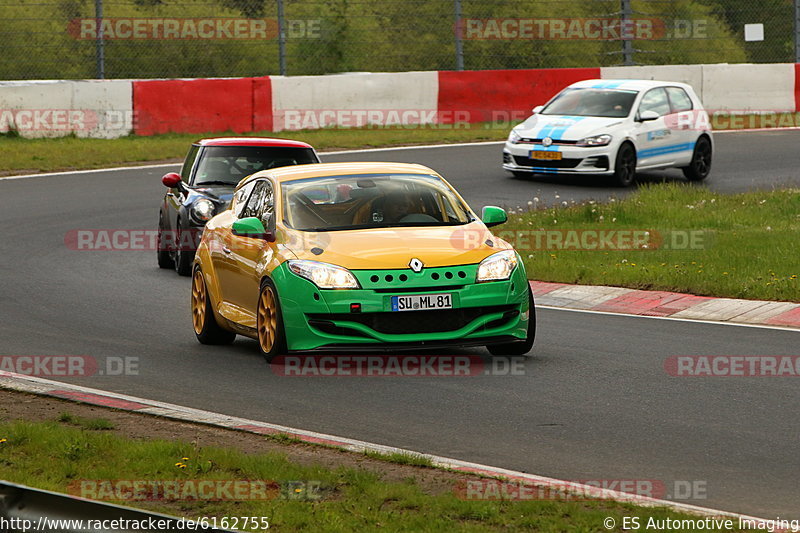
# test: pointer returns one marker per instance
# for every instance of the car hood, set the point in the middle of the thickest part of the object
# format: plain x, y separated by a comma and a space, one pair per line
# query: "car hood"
565, 127
393, 248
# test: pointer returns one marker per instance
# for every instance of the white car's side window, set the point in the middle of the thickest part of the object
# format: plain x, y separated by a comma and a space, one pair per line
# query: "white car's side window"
679, 99
655, 100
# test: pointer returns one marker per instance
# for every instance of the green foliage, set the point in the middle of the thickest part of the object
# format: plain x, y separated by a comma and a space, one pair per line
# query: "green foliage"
327, 36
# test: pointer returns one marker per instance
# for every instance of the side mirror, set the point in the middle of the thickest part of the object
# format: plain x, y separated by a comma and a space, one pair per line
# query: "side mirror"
252, 227
537, 109
171, 180
647, 116
493, 216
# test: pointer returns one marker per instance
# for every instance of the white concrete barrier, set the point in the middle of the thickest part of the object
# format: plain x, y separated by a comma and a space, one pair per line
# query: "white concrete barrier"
738, 87
354, 100
691, 74
745, 87
102, 109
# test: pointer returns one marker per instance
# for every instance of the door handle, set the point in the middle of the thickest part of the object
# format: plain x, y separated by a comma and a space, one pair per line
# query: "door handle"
226, 250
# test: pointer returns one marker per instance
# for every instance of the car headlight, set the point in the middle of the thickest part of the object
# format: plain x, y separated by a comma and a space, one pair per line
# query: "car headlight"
497, 267
514, 137
203, 210
597, 140
324, 275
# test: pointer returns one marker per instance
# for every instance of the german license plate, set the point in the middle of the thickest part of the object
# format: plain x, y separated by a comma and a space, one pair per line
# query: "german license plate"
548, 156
422, 302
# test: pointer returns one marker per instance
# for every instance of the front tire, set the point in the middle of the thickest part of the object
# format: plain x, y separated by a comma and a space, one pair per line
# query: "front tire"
269, 322
164, 259
204, 322
625, 165
700, 166
183, 258
520, 347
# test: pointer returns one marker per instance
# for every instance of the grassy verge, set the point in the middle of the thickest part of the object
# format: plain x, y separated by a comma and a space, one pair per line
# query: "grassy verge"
57, 455
70, 153
737, 246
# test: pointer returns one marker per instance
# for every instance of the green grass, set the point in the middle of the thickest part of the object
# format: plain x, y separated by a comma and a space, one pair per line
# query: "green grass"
52, 456
401, 458
92, 424
747, 245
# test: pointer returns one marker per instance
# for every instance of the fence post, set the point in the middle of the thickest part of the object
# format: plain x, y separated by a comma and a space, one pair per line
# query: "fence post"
281, 38
797, 31
100, 57
458, 33
625, 25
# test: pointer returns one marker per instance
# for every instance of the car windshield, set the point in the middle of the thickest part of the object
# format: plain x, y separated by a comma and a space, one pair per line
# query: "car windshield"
220, 165
371, 201
592, 103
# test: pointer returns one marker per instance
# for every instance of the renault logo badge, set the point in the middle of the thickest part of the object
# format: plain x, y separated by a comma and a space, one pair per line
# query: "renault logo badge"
416, 265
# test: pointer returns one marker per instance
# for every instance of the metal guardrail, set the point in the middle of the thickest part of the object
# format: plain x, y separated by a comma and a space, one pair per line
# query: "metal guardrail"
25, 509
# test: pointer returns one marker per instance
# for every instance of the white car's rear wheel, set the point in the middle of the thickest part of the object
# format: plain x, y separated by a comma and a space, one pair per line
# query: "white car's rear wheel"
700, 166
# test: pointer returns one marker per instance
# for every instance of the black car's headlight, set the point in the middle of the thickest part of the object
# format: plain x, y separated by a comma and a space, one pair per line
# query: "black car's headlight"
324, 275
596, 140
202, 210
497, 267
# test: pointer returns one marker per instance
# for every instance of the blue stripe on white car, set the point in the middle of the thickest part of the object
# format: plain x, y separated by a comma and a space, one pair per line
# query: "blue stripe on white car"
663, 150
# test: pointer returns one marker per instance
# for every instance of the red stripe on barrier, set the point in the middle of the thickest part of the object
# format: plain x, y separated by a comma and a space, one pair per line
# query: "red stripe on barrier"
262, 104
543, 287
651, 303
96, 399
797, 87
200, 106
501, 95
789, 318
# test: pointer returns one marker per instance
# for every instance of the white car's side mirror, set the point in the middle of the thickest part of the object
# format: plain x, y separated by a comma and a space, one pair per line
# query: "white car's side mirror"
537, 109
646, 116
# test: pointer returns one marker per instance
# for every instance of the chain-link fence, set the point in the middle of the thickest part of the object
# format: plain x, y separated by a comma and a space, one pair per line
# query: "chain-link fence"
74, 39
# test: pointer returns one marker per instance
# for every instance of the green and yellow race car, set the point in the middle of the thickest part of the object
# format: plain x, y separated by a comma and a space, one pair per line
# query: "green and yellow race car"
358, 256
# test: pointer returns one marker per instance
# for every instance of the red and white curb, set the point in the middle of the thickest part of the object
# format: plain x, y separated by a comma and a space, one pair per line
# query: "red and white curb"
123, 402
666, 305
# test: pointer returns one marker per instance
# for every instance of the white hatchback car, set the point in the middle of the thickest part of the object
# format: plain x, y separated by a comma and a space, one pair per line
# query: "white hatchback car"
614, 128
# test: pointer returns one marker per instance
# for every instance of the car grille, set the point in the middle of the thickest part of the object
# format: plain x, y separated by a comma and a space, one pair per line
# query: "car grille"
410, 322
546, 163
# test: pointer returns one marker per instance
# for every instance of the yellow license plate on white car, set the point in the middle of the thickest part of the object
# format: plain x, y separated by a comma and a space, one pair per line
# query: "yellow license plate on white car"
546, 156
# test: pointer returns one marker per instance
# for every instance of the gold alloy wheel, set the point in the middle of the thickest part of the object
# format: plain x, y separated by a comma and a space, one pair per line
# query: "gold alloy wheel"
198, 302
267, 319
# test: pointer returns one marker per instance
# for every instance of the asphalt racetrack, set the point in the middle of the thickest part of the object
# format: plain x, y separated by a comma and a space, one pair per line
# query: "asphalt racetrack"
593, 401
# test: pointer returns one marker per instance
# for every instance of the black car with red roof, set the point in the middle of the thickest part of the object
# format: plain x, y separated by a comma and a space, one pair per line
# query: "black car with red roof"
204, 187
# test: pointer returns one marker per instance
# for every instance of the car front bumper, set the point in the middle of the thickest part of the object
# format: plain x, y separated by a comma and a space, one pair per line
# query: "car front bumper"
482, 313
574, 159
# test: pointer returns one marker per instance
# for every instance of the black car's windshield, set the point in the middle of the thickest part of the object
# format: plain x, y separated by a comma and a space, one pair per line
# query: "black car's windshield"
220, 165
371, 201
612, 103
